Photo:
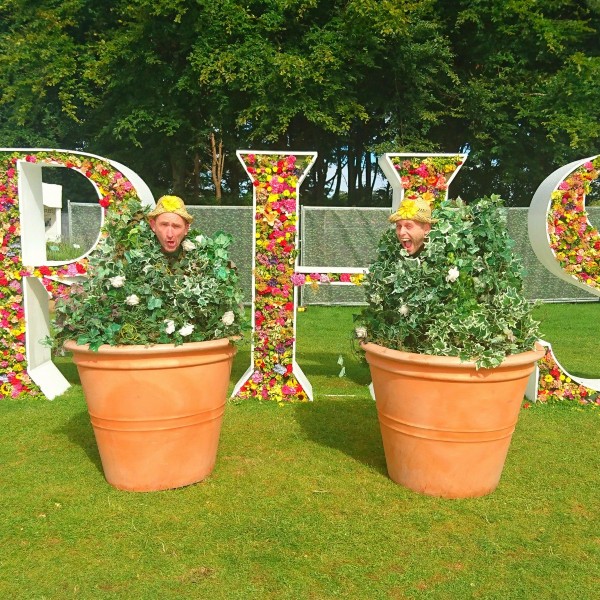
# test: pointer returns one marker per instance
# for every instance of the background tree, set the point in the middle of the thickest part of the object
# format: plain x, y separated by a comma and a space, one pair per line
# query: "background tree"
151, 82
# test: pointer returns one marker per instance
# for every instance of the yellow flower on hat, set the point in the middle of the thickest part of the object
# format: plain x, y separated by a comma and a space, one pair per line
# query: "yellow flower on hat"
407, 210
171, 203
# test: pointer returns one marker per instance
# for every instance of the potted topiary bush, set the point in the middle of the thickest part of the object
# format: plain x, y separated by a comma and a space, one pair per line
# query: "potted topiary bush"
450, 343
151, 332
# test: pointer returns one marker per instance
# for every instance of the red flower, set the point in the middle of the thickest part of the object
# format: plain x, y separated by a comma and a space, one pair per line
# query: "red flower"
105, 202
45, 270
80, 268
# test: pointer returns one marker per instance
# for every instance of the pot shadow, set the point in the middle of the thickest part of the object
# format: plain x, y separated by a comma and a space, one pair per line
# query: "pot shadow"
78, 430
321, 364
68, 368
349, 425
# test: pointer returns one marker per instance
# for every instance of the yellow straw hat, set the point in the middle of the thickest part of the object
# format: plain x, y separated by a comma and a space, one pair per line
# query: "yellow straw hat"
413, 210
171, 204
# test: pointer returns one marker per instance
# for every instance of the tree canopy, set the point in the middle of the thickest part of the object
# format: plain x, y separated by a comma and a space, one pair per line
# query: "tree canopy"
162, 85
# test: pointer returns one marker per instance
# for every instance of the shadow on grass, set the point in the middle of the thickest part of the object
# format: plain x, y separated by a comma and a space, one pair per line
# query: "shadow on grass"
68, 368
324, 364
78, 430
347, 424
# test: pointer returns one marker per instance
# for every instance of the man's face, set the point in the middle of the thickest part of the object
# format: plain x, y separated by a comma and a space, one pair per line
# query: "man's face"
170, 229
411, 234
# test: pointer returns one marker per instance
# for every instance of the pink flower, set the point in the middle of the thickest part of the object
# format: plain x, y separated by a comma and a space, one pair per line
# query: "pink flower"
288, 390
564, 186
422, 170
298, 279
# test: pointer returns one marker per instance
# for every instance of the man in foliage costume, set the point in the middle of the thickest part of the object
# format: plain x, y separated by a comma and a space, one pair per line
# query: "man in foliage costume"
170, 222
459, 294
413, 223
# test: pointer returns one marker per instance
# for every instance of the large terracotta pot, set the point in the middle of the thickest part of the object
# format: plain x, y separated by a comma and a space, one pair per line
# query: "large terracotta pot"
446, 426
156, 411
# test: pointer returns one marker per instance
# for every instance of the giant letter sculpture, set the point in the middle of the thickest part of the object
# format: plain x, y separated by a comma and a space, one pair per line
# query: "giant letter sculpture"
274, 372
569, 247
26, 276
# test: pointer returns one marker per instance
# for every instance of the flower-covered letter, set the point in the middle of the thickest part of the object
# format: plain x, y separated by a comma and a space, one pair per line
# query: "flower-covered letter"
273, 373
568, 246
27, 278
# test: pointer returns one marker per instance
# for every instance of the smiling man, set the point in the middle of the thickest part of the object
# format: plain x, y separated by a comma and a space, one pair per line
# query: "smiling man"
170, 222
413, 223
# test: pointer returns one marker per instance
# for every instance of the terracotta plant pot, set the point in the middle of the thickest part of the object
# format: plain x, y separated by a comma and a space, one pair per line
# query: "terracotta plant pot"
446, 427
156, 411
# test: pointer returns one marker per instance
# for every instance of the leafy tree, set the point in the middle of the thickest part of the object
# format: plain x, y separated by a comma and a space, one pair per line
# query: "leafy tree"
529, 73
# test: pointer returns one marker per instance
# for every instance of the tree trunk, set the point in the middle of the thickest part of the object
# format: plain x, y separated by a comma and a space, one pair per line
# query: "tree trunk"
218, 160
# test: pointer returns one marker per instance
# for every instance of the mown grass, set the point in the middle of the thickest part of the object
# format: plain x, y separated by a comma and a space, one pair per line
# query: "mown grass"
299, 504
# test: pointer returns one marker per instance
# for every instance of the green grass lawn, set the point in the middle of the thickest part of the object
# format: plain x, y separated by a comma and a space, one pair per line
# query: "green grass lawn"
299, 505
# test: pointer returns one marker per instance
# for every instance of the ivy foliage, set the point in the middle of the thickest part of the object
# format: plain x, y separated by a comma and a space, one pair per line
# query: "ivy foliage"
461, 296
135, 294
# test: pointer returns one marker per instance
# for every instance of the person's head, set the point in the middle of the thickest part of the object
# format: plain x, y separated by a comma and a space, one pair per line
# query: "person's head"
170, 222
413, 223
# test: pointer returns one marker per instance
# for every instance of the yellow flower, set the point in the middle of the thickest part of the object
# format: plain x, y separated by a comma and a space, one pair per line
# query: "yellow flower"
407, 210
548, 378
171, 203
428, 196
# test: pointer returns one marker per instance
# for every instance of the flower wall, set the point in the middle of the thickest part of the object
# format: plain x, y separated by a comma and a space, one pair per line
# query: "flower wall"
574, 241
426, 177
113, 187
557, 385
575, 244
273, 374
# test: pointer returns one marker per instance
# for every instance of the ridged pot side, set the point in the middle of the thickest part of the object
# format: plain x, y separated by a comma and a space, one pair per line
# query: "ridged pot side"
156, 411
446, 426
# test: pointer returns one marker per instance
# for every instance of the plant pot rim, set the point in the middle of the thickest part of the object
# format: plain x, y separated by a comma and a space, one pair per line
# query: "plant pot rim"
521, 358
106, 349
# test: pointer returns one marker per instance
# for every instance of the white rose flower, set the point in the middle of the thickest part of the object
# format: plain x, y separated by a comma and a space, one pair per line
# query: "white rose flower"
200, 239
188, 245
76, 246
132, 300
117, 281
170, 326
186, 330
453, 274
360, 332
228, 318
404, 310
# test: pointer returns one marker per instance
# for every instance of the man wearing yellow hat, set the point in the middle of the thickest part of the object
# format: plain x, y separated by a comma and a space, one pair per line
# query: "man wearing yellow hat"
170, 222
413, 223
